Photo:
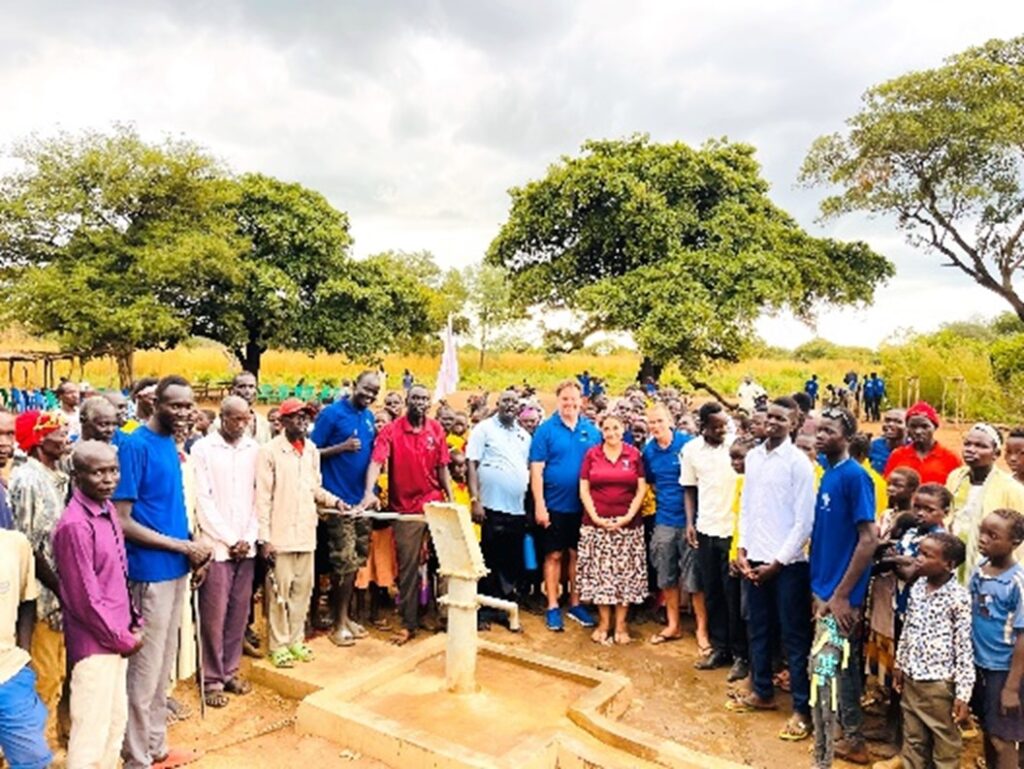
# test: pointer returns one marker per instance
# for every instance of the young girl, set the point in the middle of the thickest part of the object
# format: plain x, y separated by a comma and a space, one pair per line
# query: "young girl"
1015, 453
997, 602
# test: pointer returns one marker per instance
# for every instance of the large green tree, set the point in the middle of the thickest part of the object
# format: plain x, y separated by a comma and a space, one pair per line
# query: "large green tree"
941, 150
681, 247
107, 243
298, 287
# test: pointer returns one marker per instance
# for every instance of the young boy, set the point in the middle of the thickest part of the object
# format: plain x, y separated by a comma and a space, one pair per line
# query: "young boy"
101, 629
22, 713
288, 491
997, 601
935, 662
1015, 453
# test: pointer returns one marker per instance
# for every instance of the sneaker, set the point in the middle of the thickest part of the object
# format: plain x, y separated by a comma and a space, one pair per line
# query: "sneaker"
582, 615
553, 619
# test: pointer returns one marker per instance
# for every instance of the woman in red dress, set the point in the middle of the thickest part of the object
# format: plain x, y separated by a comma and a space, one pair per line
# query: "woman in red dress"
612, 565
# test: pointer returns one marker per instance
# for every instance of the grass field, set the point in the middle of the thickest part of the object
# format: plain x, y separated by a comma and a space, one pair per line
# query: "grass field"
207, 362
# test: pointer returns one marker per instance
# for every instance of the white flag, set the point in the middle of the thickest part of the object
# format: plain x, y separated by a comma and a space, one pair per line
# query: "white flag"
448, 376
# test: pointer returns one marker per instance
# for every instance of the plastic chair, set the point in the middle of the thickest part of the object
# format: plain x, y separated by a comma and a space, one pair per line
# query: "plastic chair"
266, 393
283, 392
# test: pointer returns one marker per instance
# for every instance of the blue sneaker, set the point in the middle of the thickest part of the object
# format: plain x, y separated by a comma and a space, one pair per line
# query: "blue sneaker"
554, 620
582, 615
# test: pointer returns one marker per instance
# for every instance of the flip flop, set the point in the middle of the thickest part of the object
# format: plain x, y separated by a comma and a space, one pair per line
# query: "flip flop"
177, 757
357, 630
217, 699
342, 638
795, 729
747, 705
660, 638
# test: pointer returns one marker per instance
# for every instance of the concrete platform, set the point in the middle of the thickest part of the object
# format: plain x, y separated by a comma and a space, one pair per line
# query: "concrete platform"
532, 711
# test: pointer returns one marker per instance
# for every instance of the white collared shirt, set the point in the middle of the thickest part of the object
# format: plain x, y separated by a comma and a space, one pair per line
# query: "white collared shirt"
777, 509
225, 491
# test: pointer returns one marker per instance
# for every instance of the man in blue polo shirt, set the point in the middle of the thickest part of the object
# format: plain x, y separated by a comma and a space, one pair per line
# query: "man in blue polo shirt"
671, 557
150, 501
843, 543
556, 456
499, 473
344, 433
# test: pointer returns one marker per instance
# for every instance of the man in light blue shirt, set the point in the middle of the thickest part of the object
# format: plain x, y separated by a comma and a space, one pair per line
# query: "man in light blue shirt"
499, 474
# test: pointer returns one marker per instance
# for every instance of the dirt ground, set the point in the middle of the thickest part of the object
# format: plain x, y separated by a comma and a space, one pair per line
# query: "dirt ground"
670, 699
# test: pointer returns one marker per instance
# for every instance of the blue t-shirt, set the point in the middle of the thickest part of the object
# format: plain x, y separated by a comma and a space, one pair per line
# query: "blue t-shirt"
344, 474
811, 387
151, 481
662, 470
846, 498
878, 454
584, 381
997, 615
561, 450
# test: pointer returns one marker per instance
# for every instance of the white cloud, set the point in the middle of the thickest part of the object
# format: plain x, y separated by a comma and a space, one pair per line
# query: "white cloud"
417, 117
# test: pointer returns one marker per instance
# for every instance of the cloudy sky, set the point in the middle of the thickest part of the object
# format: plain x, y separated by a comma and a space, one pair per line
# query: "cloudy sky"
416, 117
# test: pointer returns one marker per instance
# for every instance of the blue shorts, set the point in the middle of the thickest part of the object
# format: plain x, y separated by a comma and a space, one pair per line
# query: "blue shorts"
22, 720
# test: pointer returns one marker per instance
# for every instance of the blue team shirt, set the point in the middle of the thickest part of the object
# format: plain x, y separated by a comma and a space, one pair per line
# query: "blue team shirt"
878, 454
662, 470
561, 450
151, 480
344, 475
846, 498
997, 616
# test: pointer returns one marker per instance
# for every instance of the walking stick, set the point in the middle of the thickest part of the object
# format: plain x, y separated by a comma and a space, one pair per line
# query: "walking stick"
198, 633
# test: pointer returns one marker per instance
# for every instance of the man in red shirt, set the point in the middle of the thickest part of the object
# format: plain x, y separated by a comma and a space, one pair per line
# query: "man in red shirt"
925, 455
416, 454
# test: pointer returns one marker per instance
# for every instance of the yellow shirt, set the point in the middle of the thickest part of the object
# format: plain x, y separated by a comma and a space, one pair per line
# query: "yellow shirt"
18, 580
737, 497
456, 442
461, 496
881, 490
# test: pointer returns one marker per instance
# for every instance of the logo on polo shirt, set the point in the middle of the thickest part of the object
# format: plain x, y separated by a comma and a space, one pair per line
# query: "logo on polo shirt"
430, 441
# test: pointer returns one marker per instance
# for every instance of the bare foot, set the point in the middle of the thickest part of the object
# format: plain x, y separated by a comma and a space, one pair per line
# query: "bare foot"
600, 636
622, 637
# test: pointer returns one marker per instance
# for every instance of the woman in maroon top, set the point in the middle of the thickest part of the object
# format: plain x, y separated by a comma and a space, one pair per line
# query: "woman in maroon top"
612, 565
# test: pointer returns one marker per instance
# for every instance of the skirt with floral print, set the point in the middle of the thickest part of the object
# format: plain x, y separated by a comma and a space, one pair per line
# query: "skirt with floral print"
612, 565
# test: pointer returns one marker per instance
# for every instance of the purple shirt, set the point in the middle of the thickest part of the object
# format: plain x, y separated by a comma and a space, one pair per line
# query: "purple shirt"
88, 548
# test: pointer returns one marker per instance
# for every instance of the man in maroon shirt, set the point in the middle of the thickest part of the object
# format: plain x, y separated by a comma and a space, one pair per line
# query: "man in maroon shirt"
416, 454
101, 630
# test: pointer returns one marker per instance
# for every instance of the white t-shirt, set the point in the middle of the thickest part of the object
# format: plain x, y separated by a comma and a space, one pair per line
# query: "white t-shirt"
709, 469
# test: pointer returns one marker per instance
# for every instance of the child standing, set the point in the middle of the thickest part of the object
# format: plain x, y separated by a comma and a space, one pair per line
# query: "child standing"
997, 601
934, 661
1015, 453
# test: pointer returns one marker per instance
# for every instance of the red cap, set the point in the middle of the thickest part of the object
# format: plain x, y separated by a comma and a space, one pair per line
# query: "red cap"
31, 427
926, 410
292, 406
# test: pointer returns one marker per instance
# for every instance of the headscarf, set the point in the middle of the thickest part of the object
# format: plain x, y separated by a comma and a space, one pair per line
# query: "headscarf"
991, 432
923, 409
31, 427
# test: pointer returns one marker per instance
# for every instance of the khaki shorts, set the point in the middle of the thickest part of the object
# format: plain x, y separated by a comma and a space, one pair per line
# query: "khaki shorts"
348, 544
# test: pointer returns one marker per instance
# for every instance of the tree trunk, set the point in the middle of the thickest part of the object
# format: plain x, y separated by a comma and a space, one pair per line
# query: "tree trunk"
483, 347
125, 359
250, 359
648, 368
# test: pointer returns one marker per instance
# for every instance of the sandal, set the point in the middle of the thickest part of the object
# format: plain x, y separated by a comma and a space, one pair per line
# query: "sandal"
282, 658
661, 638
402, 637
357, 630
301, 652
623, 638
342, 637
795, 729
237, 686
382, 624
749, 703
216, 699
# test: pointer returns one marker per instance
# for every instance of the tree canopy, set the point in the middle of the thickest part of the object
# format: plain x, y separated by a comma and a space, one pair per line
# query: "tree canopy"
682, 247
942, 150
111, 244
108, 243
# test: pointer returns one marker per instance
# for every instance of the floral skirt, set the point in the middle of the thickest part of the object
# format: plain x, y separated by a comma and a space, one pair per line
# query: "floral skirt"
612, 566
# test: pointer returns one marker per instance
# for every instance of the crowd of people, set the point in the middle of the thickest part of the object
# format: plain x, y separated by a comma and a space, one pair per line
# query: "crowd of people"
813, 558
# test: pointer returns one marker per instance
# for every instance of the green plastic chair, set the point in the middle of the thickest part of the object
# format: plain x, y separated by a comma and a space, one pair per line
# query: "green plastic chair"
283, 391
326, 393
266, 393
